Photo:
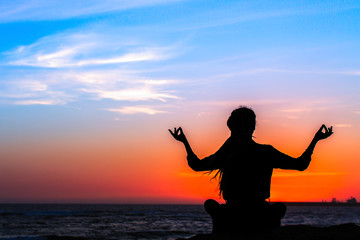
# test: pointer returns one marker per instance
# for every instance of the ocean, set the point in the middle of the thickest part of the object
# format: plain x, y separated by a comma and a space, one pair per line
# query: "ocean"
97, 221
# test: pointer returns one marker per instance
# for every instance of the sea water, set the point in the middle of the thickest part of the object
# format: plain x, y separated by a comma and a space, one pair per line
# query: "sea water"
95, 221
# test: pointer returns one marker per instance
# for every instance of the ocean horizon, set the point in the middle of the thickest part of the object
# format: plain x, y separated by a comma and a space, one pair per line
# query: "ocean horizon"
141, 221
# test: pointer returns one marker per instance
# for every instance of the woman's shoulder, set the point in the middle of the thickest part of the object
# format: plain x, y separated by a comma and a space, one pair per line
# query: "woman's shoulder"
265, 146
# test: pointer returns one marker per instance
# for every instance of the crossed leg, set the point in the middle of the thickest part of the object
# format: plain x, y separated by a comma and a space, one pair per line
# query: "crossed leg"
225, 218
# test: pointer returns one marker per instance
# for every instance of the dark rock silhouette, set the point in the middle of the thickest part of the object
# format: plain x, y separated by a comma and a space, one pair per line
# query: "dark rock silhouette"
296, 232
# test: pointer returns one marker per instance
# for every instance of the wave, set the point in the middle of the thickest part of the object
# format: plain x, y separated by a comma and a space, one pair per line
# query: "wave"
42, 213
130, 235
53, 237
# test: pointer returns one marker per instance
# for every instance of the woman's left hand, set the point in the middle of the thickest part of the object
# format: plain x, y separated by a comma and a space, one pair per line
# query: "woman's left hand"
322, 135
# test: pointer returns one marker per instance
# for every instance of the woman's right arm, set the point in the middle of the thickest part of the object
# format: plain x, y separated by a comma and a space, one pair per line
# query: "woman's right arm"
207, 164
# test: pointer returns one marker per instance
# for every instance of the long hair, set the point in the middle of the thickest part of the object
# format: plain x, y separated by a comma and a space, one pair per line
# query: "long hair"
242, 121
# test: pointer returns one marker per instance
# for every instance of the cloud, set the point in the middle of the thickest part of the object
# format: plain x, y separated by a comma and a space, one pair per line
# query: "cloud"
61, 87
34, 89
135, 94
91, 47
36, 10
35, 85
244, 101
136, 109
296, 110
353, 72
86, 64
150, 54
303, 109
343, 125
258, 71
39, 102
70, 58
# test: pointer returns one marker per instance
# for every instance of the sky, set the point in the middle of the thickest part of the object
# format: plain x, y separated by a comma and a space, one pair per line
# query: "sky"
89, 89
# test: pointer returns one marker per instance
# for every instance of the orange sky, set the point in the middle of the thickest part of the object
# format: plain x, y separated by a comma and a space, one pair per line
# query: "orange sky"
149, 166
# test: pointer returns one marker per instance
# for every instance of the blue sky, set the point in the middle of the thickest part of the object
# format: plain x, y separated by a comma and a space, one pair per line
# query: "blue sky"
151, 57
62, 52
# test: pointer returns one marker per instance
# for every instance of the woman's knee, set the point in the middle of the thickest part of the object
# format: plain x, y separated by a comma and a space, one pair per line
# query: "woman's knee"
210, 205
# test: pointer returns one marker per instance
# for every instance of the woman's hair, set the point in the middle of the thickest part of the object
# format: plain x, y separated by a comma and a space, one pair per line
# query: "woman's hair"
242, 120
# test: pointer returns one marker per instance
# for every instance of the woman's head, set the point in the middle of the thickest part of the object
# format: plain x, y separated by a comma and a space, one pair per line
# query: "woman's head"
242, 121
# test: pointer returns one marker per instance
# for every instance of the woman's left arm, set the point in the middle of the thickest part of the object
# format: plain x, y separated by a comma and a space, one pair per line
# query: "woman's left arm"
305, 158
301, 163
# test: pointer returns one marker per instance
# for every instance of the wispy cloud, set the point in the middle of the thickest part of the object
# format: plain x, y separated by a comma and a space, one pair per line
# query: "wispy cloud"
296, 110
84, 64
86, 48
61, 87
257, 71
348, 72
135, 94
343, 125
304, 109
237, 15
39, 102
19, 10
35, 89
248, 11
70, 58
136, 109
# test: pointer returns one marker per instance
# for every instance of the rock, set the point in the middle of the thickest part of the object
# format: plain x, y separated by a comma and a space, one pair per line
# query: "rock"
348, 231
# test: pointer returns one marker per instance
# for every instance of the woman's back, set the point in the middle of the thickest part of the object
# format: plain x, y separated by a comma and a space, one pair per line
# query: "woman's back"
246, 172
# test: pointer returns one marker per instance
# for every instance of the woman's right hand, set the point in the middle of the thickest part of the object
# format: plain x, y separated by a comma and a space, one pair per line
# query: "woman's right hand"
178, 134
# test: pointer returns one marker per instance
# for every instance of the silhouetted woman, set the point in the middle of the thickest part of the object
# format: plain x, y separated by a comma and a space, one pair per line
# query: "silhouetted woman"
244, 170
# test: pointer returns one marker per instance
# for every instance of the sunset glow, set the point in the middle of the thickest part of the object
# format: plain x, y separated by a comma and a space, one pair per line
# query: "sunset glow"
89, 90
